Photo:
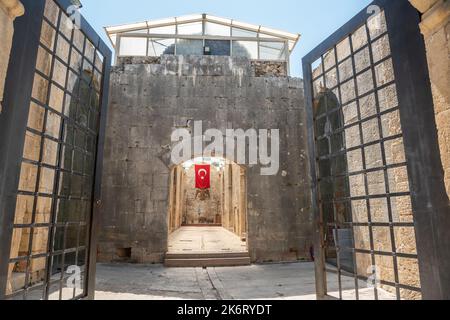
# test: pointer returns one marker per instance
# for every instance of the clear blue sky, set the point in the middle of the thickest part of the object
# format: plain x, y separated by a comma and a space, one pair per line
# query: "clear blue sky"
315, 20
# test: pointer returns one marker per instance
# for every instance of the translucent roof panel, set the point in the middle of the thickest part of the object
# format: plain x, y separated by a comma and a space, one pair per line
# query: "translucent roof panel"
215, 29
203, 25
190, 28
190, 18
170, 30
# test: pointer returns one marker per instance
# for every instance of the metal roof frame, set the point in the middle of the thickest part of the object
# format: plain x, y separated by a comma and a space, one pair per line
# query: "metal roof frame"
291, 38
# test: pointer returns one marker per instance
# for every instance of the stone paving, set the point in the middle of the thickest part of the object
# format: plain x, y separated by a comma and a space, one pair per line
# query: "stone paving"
205, 240
290, 281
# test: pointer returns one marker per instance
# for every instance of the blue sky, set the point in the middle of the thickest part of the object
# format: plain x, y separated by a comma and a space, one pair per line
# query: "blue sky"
315, 20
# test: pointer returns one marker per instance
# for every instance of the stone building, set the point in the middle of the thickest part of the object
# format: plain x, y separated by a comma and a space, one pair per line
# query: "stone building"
177, 73
226, 76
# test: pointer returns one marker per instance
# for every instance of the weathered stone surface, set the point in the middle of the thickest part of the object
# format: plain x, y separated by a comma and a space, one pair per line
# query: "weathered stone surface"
149, 101
167, 65
270, 68
438, 48
9, 10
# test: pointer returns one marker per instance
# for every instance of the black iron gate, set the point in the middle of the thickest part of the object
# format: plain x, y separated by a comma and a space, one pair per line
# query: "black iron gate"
379, 198
51, 136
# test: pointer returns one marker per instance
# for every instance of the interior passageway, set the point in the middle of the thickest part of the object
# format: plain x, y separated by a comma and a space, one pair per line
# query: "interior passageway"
205, 240
208, 227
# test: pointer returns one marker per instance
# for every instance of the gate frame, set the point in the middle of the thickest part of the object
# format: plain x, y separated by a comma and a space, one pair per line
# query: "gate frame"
430, 202
13, 123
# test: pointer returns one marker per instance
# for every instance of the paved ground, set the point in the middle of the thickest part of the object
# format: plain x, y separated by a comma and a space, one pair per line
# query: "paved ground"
292, 281
205, 240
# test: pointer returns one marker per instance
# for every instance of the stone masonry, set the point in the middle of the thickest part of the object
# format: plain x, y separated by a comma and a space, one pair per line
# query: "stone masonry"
9, 10
149, 100
435, 27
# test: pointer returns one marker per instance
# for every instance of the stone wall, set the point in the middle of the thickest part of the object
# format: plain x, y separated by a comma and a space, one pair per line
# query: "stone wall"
148, 101
270, 68
176, 198
435, 27
260, 68
9, 10
235, 198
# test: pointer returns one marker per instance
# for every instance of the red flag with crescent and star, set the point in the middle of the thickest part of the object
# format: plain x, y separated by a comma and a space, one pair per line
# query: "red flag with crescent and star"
202, 176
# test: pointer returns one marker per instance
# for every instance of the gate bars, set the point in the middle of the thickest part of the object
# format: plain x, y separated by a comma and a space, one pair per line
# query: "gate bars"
429, 200
78, 70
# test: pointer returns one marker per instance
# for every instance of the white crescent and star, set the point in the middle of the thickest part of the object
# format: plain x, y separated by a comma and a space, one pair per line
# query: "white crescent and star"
204, 175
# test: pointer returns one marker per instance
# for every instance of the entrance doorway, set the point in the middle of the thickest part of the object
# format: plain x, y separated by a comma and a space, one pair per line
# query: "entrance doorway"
208, 227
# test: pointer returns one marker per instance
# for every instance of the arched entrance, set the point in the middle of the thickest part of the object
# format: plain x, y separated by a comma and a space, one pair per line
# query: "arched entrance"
208, 227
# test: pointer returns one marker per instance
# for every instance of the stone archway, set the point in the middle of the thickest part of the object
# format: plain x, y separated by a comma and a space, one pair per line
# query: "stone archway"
223, 93
208, 228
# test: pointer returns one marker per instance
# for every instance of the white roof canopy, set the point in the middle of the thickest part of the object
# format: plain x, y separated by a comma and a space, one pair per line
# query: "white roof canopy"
211, 26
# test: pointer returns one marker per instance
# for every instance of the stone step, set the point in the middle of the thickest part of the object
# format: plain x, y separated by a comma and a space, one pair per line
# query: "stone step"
207, 262
18, 281
203, 255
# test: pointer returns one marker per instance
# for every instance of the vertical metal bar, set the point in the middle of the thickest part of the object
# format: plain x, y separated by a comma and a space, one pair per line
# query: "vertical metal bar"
366, 180
203, 32
176, 36
76, 257
338, 247
231, 41
97, 197
318, 236
259, 43
355, 263
63, 268
287, 58
147, 44
117, 55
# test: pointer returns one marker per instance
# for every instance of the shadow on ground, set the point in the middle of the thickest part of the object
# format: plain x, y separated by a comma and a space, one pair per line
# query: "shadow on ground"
289, 281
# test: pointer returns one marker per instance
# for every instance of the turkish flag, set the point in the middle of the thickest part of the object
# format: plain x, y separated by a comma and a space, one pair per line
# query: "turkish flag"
202, 176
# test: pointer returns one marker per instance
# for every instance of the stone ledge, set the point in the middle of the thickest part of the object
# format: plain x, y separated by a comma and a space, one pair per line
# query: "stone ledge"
435, 17
423, 5
14, 8
199, 65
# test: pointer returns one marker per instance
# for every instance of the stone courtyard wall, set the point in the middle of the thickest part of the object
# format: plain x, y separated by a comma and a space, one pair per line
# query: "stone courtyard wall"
149, 100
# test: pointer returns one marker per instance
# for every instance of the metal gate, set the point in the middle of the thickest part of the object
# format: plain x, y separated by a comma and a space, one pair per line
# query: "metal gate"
51, 135
380, 203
